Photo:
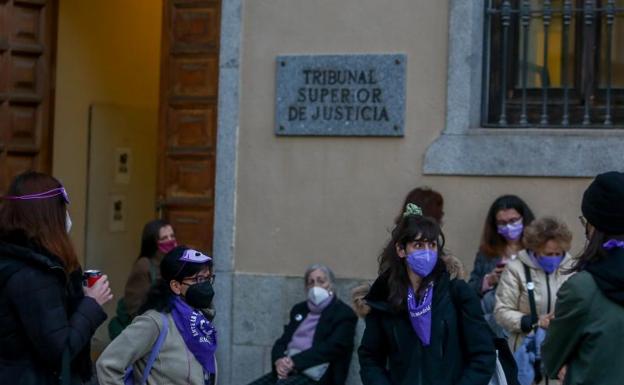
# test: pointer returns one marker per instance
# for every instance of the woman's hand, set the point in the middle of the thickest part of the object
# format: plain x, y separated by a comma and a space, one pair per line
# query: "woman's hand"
544, 321
283, 366
494, 276
100, 291
562, 373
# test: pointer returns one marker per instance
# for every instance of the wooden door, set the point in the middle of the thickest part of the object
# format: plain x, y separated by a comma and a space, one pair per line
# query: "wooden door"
27, 55
188, 118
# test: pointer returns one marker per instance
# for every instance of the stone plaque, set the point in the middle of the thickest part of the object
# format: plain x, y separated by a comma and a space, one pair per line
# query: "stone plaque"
340, 95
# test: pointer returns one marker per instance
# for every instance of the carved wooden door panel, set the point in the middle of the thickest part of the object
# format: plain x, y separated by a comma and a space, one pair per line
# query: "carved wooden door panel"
188, 118
27, 53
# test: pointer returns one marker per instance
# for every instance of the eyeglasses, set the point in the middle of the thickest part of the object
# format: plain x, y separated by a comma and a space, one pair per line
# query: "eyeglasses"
200, 279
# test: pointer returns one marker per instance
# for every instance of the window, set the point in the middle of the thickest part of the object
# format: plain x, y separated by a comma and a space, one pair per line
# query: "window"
554, 64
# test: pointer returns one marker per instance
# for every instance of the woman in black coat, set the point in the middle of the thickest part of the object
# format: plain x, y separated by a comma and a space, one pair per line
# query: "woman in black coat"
423, 327
317, 343
47, 318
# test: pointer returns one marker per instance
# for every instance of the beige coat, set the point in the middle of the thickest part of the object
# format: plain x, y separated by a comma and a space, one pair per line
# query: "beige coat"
175, 364
512, 298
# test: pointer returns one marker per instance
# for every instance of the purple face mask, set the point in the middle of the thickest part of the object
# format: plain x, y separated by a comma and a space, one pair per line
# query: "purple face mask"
42, 195
511, 231
422, 261
549, 264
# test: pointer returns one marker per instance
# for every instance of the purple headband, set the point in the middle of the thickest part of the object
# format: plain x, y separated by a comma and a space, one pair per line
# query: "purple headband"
43, 195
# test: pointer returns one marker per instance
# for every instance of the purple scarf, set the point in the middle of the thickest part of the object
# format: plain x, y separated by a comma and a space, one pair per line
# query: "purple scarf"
613, 244
420, 314
197, 332
304, 335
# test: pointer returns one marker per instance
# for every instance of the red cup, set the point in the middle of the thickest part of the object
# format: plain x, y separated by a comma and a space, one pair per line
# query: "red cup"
91, 276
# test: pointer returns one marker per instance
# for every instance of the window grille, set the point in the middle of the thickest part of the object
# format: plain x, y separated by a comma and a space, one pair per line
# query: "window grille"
554, 64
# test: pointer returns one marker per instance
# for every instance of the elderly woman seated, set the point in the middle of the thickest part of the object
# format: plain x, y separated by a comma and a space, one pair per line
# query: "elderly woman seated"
317, 343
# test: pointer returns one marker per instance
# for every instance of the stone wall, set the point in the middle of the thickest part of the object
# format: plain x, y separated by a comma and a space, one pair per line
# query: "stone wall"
261, 307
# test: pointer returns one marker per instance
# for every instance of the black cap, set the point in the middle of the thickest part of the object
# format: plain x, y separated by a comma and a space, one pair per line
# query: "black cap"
603, 203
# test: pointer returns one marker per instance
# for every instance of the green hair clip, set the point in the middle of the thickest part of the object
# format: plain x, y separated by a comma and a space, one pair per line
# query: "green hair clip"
412, 209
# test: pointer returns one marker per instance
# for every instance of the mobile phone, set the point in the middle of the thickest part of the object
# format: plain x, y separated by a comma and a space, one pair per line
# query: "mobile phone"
501, 264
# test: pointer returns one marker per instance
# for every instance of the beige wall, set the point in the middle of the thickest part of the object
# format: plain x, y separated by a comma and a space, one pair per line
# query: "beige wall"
108, 52
302, 200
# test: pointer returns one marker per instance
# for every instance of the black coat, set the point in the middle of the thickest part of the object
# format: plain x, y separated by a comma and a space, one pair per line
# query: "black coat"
43, 312
333, 341
461, 351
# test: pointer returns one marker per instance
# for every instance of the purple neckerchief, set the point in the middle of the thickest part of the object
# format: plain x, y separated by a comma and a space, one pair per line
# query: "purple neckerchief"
197, 332
612, 244
420, 315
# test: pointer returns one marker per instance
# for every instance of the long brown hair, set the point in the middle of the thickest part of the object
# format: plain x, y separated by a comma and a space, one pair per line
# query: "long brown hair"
492, 243
41, 220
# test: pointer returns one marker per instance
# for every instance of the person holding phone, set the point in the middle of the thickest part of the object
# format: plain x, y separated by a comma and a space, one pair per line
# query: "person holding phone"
501, 241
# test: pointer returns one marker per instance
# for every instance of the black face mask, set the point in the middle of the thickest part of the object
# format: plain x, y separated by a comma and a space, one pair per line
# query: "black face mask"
199, 295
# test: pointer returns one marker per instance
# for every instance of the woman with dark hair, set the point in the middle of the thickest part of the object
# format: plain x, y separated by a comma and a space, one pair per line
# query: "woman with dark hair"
172, 340
157, 240
423, 328
429, 200
432, 205
584, 340
47, 317
501, 242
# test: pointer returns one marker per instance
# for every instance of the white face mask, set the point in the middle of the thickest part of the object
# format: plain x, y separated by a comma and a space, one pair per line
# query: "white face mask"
68, 222
317, 294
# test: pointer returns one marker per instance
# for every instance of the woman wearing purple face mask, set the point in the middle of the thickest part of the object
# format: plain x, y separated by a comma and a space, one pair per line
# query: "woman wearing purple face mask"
423, 327
501, 241
548, 264
158, 238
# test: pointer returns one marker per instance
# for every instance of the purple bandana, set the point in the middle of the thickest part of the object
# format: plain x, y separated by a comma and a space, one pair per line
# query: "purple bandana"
197, 332
420, 315
612, 244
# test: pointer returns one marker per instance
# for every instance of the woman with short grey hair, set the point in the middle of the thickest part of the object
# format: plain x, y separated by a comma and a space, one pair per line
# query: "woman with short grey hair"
319, 266
317, 343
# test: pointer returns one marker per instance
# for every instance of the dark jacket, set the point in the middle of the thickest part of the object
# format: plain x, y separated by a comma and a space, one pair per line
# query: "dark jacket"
43, 312
461, 351
333, 341
482, 266
588, 329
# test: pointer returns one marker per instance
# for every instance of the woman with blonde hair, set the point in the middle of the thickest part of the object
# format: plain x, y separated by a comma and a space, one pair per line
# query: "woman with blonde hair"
526, 293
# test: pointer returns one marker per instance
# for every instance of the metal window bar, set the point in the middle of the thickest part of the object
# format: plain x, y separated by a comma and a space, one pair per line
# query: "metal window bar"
591, 14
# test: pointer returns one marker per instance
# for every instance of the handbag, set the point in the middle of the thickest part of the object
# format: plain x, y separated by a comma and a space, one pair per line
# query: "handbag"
129, 375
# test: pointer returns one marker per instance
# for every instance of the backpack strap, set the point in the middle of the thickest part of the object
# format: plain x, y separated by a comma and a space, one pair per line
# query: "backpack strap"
531, 288
156, 348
